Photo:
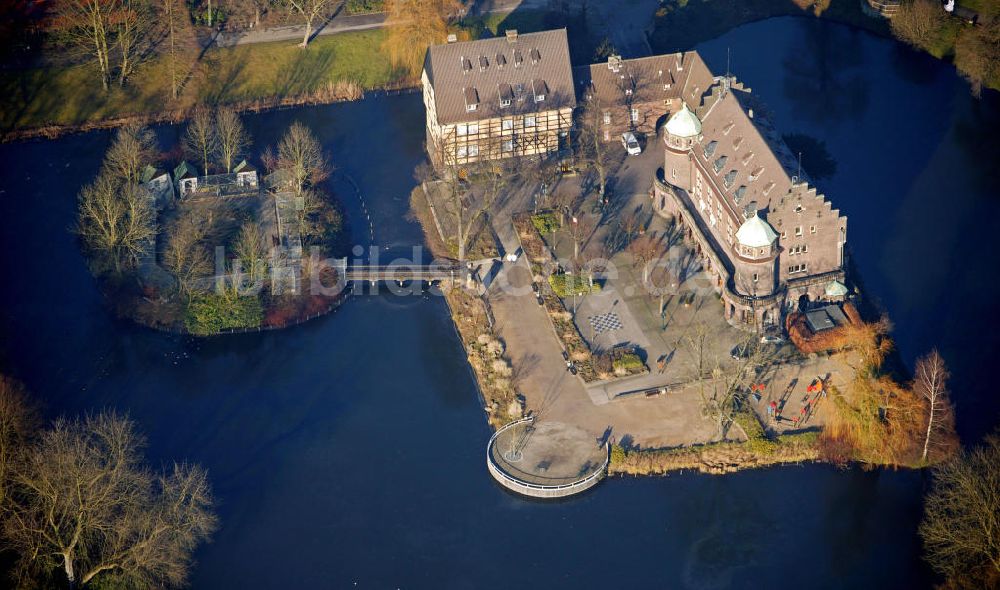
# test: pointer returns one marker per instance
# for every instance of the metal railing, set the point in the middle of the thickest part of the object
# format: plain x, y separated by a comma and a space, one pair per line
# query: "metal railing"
528, 487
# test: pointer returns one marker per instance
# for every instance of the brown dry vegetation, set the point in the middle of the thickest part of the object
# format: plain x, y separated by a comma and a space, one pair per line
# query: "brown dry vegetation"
715, 458
875, 420
486, 356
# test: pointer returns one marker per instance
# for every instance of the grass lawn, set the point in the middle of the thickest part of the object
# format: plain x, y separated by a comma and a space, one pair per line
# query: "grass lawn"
39, 97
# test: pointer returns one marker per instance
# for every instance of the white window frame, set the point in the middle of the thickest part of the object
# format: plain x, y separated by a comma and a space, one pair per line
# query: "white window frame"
507, 145
473, 128
471, 107
634, 114
473, 150
607, 117
506, 124
463, 151
461, 129
529, 121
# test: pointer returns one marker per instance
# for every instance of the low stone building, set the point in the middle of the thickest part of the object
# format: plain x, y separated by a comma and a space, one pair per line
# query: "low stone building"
768, 239
498, 98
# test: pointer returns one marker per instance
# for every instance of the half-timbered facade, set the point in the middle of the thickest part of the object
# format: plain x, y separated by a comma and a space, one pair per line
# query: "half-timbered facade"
498, 98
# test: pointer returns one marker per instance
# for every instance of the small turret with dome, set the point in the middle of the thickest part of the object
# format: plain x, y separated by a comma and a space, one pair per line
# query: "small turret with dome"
755, 239
684, 124
681, 132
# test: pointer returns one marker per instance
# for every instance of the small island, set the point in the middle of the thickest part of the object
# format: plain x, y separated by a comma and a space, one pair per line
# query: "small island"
653, 274
211, 244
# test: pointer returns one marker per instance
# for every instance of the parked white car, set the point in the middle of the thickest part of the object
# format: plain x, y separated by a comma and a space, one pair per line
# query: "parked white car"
631, 144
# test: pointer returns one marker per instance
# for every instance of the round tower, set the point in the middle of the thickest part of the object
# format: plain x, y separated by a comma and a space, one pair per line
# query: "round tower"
756, 247
681, 133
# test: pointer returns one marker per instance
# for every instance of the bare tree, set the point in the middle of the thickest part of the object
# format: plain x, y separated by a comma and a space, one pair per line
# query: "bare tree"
310, 11
133, 26
18, 420
186, 254
300, 155
413, 25
246, 13
84, 503
251, 251
116, 220
722, 387
180, 38
87, 27
595, 150
232, 138
133, 148
918, 22
931, 383
200, 139
644, 250
961, 524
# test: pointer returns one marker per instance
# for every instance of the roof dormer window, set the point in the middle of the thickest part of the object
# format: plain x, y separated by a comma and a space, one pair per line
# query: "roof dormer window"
539, 89
501, 60
518, 58
730, 178
710, 148
483, 63
466, 65
536, 56
471, 99
720, 163
728, 128
756, 174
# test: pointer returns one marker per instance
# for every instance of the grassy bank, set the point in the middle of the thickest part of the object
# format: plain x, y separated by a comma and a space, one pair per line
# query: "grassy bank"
333, 67
715, 458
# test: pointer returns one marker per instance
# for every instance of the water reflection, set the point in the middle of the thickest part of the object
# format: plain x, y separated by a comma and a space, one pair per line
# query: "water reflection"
824, 77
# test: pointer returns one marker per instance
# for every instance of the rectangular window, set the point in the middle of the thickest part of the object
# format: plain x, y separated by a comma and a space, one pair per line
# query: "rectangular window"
529, 121
508, 145
607, 118
507, 124
607, 135
463, 151
473, 150
635, 115
504, 103
462, 129
471, 107
798, 230
473, 128
755, 277
812, 229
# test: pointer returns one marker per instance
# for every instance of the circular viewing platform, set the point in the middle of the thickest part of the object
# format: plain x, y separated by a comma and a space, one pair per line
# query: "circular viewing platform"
547, 459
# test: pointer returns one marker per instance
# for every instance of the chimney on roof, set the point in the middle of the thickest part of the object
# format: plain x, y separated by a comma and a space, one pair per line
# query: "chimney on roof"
452, 37
512, 35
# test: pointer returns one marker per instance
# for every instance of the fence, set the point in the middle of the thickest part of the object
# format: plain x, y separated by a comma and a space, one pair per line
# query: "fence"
535, 490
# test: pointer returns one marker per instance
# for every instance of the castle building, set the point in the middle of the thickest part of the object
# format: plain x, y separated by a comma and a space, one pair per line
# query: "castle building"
637, 94
498, 98
768, 239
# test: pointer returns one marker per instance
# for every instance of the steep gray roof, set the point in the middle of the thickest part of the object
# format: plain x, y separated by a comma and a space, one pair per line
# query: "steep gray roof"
530, 66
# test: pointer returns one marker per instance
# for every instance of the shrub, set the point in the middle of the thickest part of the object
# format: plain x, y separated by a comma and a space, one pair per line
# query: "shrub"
628, 362
364, 6
211, 313
545, 223
567, 285
617, 454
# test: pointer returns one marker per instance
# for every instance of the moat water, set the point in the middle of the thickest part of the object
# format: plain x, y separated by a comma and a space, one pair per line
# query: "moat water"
349, 451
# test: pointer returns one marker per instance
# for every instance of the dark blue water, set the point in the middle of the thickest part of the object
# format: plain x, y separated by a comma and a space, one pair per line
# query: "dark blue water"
349, 452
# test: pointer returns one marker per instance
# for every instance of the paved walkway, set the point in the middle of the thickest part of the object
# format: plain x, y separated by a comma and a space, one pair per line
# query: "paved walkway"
342, 22
554, 394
